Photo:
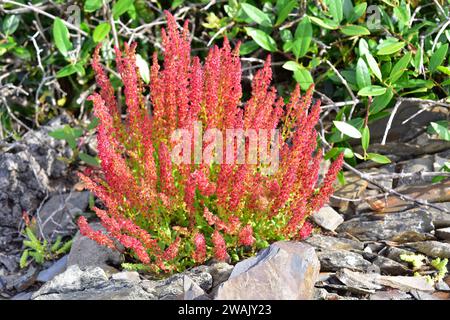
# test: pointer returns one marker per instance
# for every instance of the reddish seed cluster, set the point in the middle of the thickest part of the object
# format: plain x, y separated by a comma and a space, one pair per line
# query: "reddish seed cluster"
164, 213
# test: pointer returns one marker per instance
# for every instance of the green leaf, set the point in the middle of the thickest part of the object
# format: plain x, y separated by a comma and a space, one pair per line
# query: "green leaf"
93, 161
363, 47
56, 245
101, 31
438, 57
144, 69
358, 11
347, 129
348, 153
70, 69
292, 66
400, 67
443, 69
23, 259
441, 130
325, 23
302, 38
34, 241
303, 78
61, 37
284, 8
365, 139
262, 39
389, 47
417, 58
248, 47
120, 7
348, 8
10, 24
378, 158
373, 65
176, 3
381, 102
38, 257
372, 91
335, 8
403, 15
22, 53
256, 15
92, 5
362, 74
68, 134
352, 30
341, 178
332, 153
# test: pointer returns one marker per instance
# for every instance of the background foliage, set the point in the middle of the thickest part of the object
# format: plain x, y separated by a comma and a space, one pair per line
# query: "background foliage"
363, 56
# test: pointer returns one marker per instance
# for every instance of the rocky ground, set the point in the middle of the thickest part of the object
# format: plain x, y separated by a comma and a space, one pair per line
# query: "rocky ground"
355, 252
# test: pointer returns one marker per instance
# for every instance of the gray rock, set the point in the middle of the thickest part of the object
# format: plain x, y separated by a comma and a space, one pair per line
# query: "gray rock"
320, 294
391, 267
92, 283
327, 218
9, 261
220, 272
21, 282
390, 295
441, 219
404, 132
334, 260
86, 252
58, 214
30, 170
432, 248
74, 279
394, 253
424, 164
367, 282
374, 247
130, 276
192, 291
285, 270
442, 286
172, 288
373, 281
49, 273
421, 295
89, 284
406, 284
443, 233
401, 225
319, 241
23, 296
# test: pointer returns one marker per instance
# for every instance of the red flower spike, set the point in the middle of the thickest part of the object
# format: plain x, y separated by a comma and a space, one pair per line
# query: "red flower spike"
145, 192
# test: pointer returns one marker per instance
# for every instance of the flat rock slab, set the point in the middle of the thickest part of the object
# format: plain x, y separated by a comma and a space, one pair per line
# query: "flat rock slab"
320, 241
432, 248
58, 214
334, 260
390, 295
407, 284
443, 233
327, 218
400, 225
391, 267
359, 280
285, 270
92, 283
57, 268
86, 252
372, 281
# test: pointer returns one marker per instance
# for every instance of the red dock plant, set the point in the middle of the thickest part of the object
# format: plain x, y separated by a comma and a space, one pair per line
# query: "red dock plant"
169, 216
